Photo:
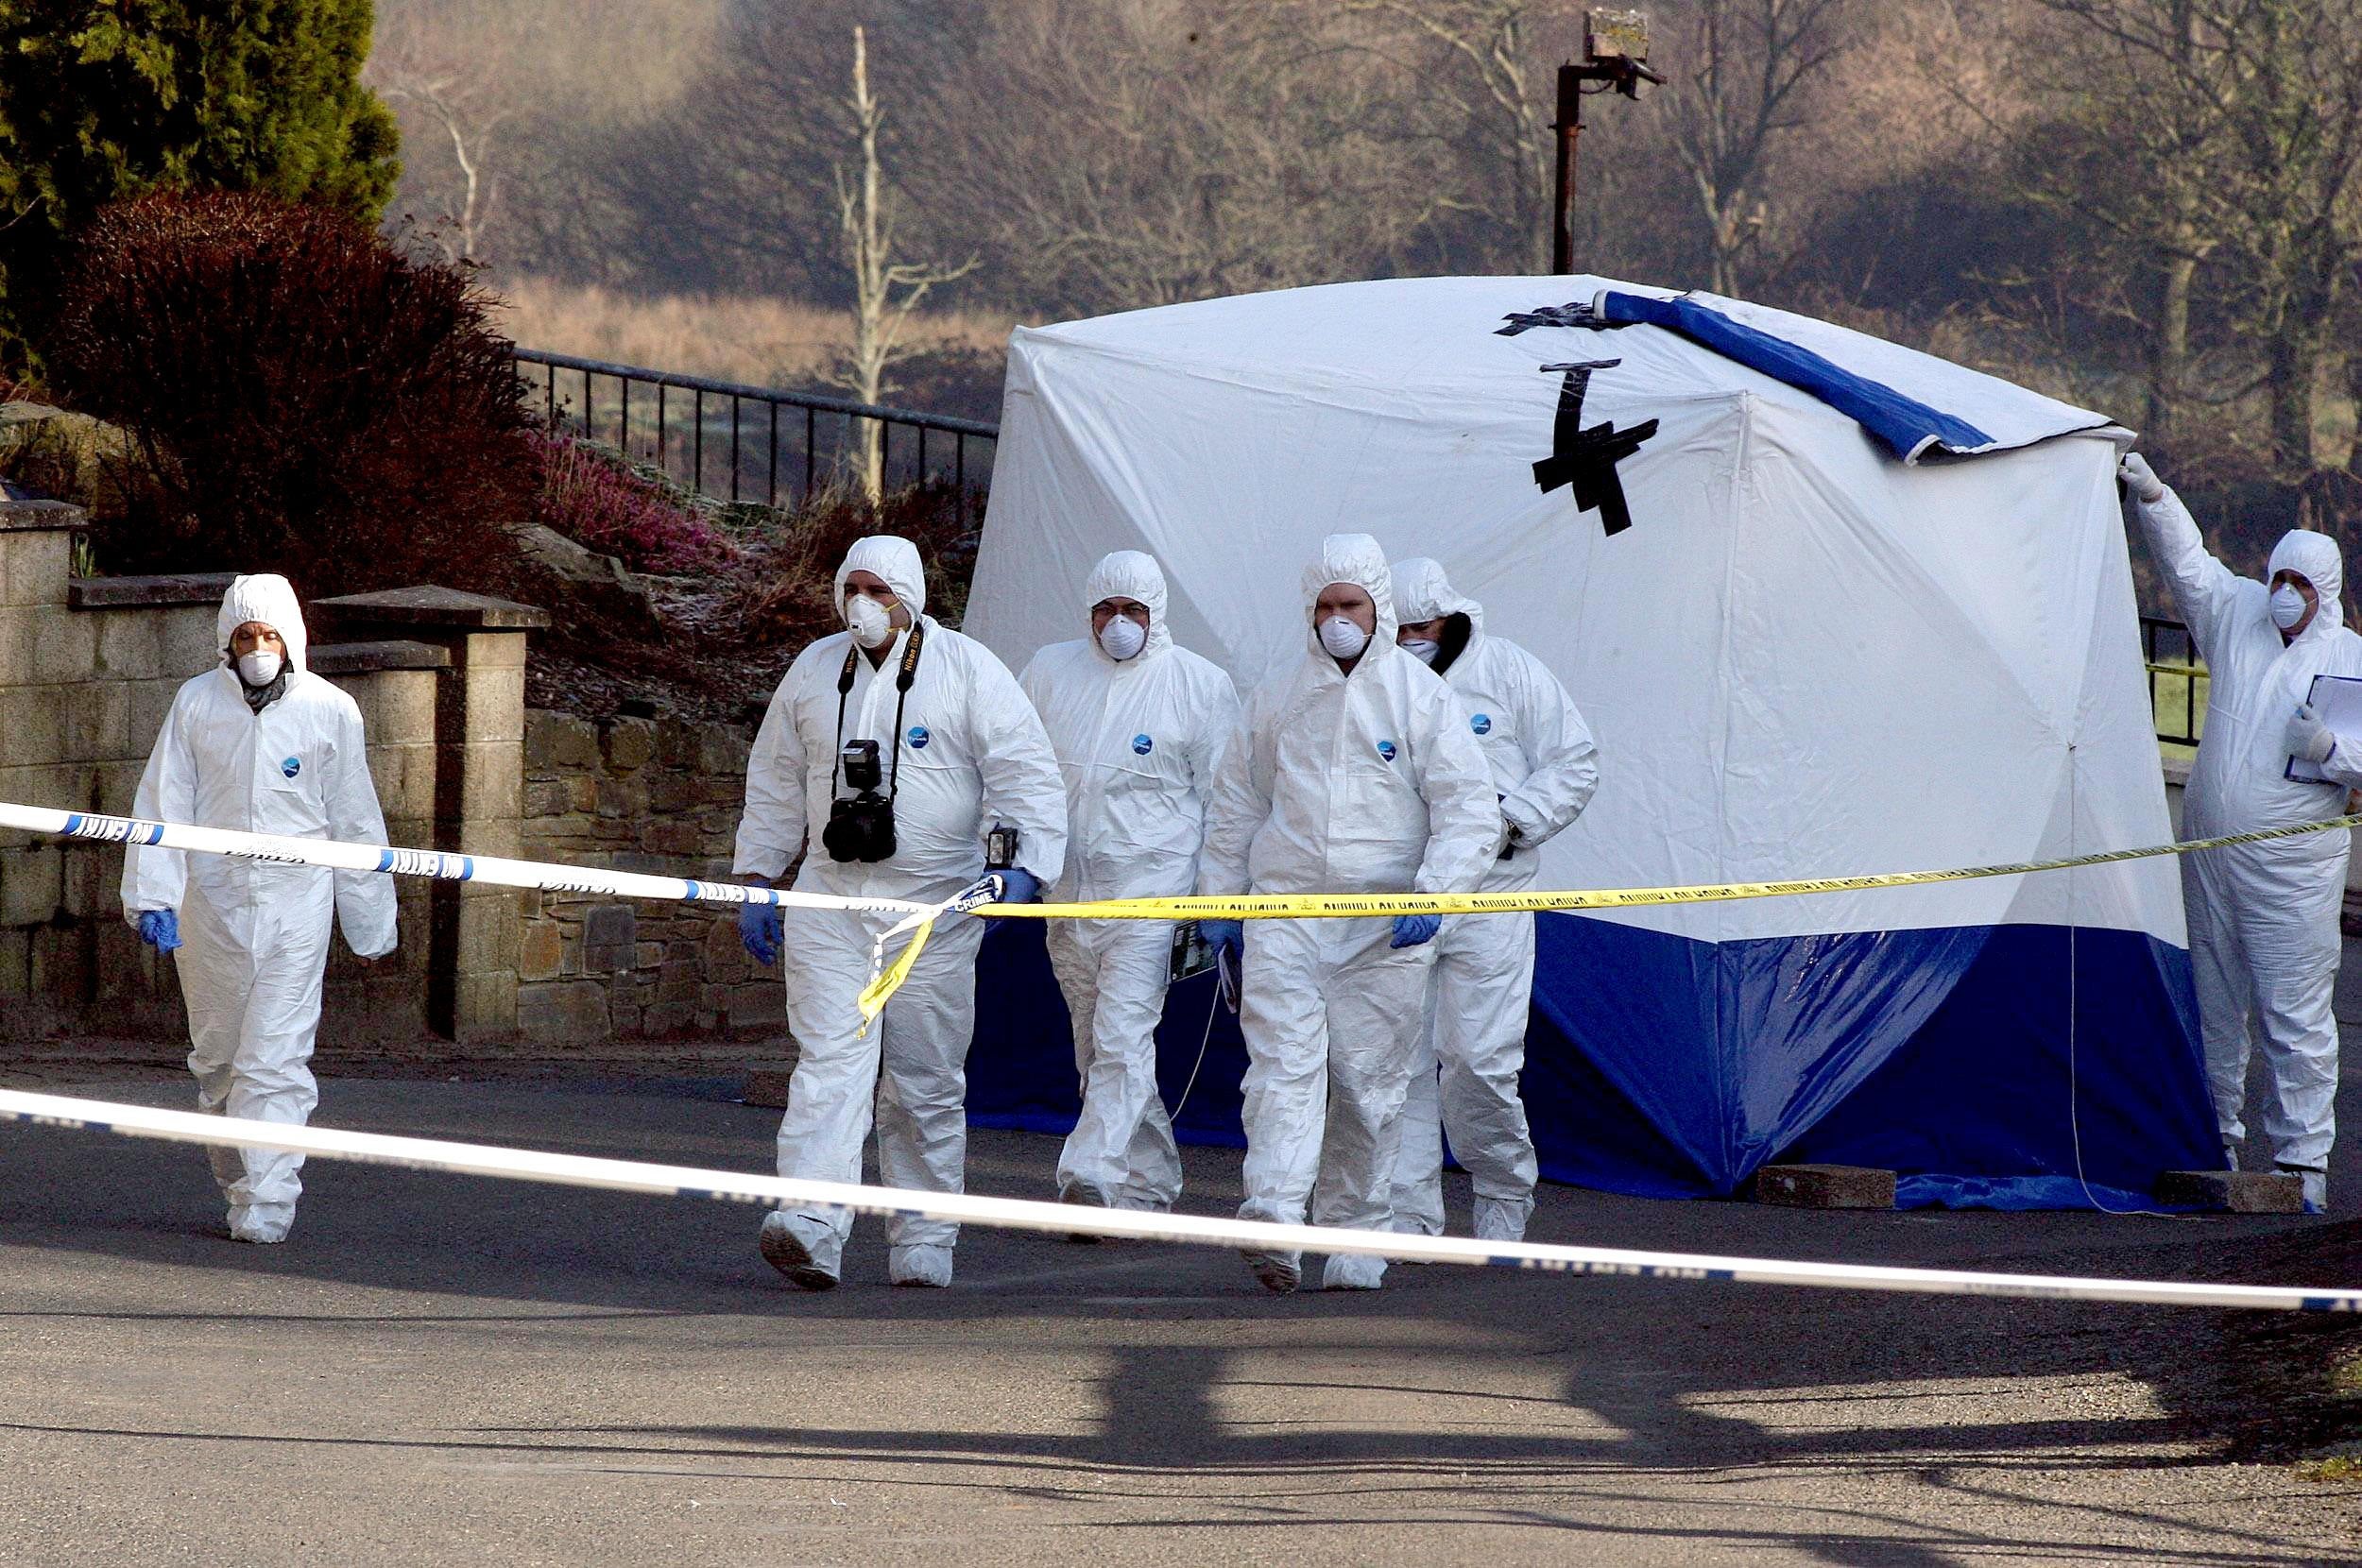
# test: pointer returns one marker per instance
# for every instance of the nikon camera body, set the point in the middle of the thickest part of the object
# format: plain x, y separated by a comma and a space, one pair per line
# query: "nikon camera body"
861, 825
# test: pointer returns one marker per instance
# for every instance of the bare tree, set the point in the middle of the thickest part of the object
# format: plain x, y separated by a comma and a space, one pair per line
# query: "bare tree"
480, 79
885, 291
1138, 152
2231, 135
1475, 75
1744, 74
457, 82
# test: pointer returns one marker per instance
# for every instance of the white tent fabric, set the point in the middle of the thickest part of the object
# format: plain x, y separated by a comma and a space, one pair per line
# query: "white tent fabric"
1804, 658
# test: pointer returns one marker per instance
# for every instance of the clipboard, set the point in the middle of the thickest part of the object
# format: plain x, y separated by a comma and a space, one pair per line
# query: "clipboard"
2339, 701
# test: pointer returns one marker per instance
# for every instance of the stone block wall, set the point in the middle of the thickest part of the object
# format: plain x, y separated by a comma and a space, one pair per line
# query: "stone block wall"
80, 694
660, 796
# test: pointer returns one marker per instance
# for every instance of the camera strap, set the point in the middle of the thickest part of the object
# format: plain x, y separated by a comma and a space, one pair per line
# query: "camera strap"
902, 679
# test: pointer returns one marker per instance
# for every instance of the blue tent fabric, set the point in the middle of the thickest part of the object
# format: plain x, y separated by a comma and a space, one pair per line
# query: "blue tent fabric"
1903, 426
1021, 1069
1944, 1055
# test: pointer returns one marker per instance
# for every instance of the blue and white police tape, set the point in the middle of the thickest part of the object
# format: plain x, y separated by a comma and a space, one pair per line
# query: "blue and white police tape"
141, 1121
336, 855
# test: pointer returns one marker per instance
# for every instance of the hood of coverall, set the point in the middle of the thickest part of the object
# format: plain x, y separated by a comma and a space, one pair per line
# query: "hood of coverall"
2316, 558
1422, 593
270, 598
1354, 559
894, 559
1131, 574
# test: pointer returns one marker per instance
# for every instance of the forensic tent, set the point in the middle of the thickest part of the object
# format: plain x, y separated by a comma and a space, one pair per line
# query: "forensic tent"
1830, 605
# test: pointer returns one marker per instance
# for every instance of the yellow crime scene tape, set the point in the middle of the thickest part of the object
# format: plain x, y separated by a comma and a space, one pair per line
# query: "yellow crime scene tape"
1348, 906
1316, 906
918, 920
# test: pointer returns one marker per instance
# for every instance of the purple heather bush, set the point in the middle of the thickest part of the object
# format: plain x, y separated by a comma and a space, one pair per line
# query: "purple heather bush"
592, 498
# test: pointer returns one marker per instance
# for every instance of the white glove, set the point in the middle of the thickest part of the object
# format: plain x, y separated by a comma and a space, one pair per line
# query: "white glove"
2310, 739
2141, 479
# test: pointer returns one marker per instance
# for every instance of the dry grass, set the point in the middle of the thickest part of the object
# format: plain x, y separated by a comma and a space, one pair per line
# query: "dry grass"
750, 339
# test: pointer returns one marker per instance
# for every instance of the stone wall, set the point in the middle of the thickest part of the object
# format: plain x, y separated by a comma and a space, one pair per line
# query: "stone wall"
662, 796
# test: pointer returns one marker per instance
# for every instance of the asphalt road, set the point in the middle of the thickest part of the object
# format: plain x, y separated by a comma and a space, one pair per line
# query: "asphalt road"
444, 1369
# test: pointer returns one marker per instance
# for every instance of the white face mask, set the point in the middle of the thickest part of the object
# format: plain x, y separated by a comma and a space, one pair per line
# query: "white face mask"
2287, 607
1342, 637
870, 623
1421, 649
259, 668
1123, 638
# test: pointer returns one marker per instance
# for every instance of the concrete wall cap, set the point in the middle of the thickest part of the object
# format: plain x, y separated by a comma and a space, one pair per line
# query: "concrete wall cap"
185, 588
37, 517
361, 658
428, 606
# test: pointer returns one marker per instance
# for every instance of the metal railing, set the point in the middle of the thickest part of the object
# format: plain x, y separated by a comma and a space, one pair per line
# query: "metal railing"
746, 443
2175, 676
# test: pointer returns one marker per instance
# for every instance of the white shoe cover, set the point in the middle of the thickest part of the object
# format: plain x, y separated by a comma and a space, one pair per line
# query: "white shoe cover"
1277, 1273
2315, 1186
1499, 1220
261, 1223
783, 1250
922, 1266
1083, 1195
1353, 1271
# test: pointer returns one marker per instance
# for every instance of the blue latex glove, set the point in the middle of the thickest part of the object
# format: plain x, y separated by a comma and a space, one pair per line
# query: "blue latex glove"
760, 932
159, 929
1224, 936
1414, 931
1017, 886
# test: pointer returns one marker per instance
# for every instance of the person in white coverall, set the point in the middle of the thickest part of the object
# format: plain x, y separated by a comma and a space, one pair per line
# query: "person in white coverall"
260, 744
2263, 916
1138, 726
1544, 770
1353, 772
956, 750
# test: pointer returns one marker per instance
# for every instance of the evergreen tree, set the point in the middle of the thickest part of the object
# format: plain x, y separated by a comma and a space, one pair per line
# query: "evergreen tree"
104, 99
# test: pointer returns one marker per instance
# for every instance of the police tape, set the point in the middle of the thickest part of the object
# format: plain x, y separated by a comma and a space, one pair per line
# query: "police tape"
917, 918
492, 870
1304, 906
336, 855
664, 1181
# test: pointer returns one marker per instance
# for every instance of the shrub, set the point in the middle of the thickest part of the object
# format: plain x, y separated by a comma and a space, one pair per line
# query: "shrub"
778, 593
301, 396
106, 99
597, 500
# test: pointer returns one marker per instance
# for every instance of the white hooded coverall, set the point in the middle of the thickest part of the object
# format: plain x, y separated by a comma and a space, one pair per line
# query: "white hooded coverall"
254, 933
1544, 769
1139, 741
972, 754
1365, 782
2263, 916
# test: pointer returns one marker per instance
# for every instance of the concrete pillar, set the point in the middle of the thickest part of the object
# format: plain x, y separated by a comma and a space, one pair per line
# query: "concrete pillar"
44, 650
479, 784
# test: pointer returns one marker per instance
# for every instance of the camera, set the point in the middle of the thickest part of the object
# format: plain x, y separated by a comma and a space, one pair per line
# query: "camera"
860, 829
